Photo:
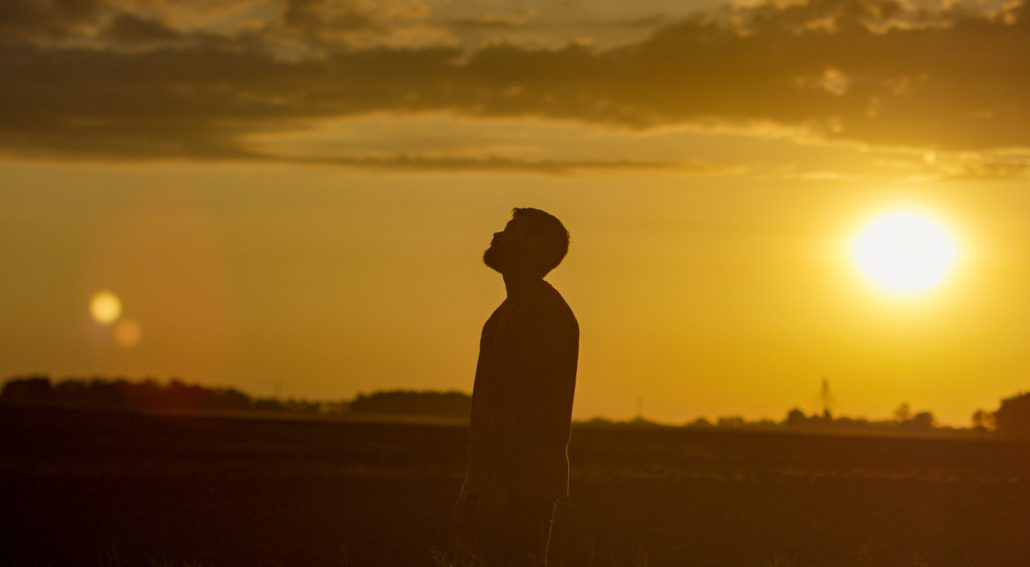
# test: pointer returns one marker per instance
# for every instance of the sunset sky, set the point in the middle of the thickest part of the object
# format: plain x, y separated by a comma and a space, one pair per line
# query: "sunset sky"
294, 196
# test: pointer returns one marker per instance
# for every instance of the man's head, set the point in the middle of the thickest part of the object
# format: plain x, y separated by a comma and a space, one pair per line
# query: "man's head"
532, 242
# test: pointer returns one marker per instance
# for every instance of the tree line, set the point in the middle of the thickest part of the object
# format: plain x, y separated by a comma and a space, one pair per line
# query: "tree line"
1011, 419
120, 393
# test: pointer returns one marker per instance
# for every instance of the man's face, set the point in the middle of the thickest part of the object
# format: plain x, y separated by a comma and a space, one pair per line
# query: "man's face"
507, 247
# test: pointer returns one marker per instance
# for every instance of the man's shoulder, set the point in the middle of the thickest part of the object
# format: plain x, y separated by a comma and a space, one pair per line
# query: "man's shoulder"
550, 303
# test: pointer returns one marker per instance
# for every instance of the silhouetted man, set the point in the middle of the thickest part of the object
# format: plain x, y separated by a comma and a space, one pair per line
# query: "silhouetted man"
518, 465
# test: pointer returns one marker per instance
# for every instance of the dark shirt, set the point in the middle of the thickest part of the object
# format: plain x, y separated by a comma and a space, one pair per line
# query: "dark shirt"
522, 398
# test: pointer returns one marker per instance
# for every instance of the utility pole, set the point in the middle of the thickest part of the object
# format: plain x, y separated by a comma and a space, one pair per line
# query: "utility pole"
826, 399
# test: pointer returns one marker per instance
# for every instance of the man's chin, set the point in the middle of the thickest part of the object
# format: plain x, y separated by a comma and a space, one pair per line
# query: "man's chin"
492, 261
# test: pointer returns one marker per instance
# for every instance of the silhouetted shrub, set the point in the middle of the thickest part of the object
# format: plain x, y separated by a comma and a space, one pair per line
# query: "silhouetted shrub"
1013, 417
33, 389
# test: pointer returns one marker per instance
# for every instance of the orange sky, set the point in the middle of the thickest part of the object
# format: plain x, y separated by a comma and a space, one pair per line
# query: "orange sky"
299, 194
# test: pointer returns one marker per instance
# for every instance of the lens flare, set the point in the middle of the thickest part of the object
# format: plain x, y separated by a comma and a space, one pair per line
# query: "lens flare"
128, 333
105, 307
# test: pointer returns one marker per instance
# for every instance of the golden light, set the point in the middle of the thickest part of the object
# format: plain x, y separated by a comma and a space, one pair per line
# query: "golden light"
105, 307
904, 252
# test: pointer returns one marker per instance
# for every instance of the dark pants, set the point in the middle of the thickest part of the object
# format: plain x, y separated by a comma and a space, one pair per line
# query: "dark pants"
518, 537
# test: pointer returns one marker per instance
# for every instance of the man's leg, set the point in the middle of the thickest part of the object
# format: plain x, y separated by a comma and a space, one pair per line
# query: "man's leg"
521, 538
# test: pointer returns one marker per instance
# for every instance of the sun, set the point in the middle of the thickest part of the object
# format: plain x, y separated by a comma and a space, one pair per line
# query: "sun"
904, 252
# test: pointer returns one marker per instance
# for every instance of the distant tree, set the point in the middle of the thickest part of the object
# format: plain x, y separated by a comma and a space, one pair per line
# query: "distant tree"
978, 419
28, 390
700, 423
732, 422
903, 413
231, 399
796, 418
922, 421
643, 423
1013, 417
983, 420
98, 392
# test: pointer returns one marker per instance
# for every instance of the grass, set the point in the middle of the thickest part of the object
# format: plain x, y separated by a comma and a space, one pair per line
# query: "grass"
130, 490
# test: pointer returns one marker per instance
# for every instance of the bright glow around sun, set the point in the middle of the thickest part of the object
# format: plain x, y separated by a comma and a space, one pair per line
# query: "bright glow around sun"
904, 252
105, 307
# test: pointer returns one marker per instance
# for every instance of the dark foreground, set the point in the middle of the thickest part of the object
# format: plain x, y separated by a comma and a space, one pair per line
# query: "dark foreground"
111, 489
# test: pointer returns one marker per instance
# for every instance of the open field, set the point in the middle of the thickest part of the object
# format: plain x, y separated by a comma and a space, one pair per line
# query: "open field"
94, 488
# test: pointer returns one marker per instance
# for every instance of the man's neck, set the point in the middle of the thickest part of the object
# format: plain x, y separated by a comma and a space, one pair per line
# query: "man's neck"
520, 284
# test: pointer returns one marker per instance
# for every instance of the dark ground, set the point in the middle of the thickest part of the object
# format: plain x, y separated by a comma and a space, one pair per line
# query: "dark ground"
111, 489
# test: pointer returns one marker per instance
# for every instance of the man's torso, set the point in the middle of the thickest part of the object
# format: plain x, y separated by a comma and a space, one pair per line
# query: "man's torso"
522, 398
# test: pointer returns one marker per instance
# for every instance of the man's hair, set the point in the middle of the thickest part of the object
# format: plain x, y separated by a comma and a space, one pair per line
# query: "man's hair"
550, 230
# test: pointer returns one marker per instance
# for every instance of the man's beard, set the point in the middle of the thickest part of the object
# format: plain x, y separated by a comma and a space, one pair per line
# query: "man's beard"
496, 259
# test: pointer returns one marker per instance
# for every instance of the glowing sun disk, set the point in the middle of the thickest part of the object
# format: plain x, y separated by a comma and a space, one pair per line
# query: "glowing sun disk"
904, 253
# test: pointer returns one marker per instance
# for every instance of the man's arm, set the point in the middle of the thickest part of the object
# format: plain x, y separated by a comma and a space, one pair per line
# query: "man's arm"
544, 383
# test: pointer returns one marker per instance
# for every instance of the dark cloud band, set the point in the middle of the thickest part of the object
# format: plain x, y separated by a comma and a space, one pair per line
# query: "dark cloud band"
873, 71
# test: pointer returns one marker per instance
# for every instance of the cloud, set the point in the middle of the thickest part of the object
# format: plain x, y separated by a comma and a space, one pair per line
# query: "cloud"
507, 164
979, 166
494, 22
127, 28
22, 19
335, 21
875, 72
